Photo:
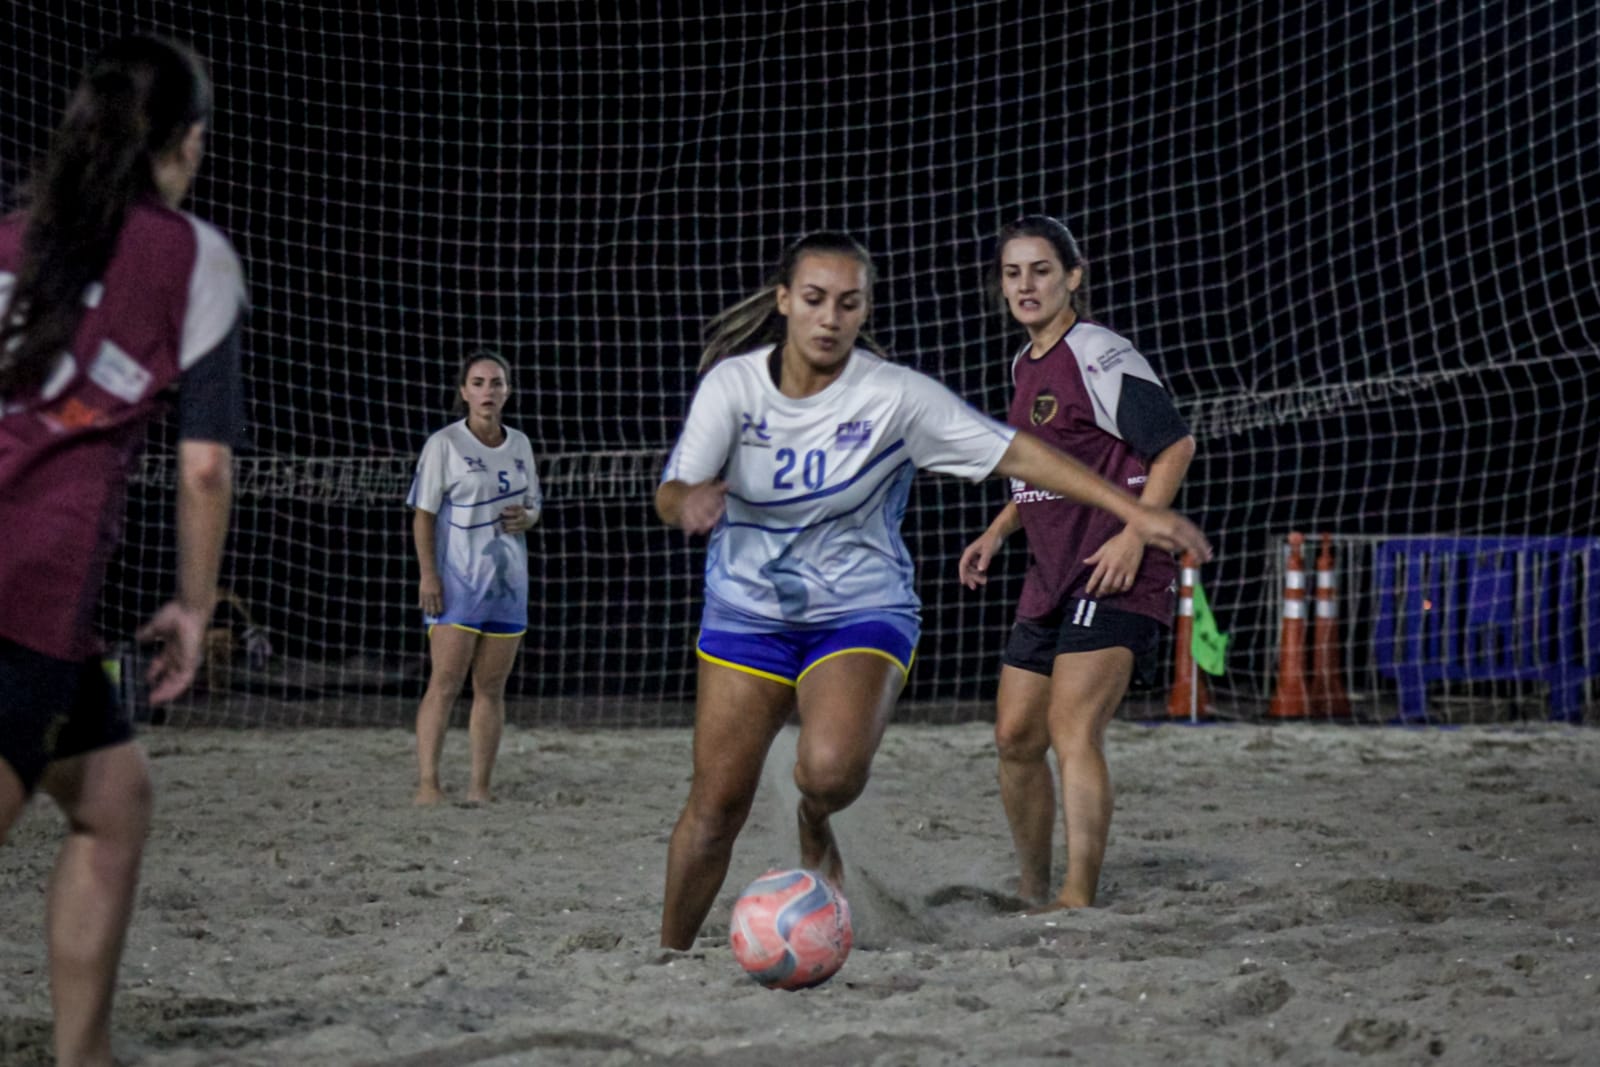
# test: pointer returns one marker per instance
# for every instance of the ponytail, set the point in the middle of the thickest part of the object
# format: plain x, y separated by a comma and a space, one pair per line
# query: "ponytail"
754, 320
137, 102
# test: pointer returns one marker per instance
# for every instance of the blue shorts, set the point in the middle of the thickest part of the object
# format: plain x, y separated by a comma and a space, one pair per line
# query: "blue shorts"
485, 629
786, 657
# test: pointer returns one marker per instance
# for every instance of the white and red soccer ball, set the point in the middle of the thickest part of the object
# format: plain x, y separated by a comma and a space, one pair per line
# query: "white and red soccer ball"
791, 929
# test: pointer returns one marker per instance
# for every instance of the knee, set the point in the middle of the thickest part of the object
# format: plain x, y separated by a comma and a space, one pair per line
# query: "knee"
1018, 739
488, 685
118, 817
830, 778
716, 818
1075, 742
447, 681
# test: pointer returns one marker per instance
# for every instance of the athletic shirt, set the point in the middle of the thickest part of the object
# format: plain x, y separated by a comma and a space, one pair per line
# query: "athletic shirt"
166, 310
1085, 396
817, 487
466, 484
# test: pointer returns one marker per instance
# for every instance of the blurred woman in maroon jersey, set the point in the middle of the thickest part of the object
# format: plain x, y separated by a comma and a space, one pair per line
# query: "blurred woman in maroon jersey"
111, 301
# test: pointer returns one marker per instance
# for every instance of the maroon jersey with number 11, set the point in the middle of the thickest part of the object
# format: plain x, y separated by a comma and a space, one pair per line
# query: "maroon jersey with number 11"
1087, 396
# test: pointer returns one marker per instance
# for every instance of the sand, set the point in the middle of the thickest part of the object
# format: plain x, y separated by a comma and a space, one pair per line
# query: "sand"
1287, 894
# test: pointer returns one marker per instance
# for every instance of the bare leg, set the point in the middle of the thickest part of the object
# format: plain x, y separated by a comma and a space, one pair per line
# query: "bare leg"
13, 800
1086, 689
491, 666
845, 703
106, 797
451, 651
1027, 788
736, 717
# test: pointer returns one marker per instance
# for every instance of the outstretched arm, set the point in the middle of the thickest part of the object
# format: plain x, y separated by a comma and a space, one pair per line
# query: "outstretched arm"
1036, 463
1116, 563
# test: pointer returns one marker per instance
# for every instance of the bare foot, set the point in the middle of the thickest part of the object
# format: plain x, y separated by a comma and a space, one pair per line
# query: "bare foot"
1061, 903
820, 852
427, 796
478, 797
1034, 891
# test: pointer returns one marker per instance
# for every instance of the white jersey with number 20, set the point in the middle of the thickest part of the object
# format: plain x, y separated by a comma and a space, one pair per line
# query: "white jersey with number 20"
817, 486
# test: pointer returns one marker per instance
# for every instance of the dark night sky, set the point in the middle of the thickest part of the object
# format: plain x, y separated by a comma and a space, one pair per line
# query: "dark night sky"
1282, 204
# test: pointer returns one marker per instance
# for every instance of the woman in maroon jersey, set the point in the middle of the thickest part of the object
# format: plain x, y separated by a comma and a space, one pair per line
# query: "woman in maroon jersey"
1095, 598
111, 299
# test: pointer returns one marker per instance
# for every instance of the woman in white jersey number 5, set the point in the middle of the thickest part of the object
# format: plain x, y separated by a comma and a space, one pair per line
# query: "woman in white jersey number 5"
476, 495
797, 457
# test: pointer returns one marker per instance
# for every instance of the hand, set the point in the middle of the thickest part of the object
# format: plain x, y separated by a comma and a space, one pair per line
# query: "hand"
1116, 564
1171, 531
430, 595
181, 633
973, 570
702, 507
514, 519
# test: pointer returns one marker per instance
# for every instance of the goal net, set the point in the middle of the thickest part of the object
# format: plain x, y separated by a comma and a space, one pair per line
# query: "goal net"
1357, 243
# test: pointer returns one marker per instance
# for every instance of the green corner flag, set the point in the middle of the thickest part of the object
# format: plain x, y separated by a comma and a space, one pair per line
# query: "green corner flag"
1209, 645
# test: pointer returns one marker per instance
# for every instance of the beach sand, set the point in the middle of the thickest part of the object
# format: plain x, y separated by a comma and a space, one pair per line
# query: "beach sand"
1272, 894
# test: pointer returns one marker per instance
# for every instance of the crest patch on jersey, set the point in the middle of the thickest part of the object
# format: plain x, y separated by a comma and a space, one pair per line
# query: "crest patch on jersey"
748, 426
1044, 409
853, 434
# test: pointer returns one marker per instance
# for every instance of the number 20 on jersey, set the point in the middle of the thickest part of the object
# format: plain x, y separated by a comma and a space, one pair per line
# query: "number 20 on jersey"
812, 470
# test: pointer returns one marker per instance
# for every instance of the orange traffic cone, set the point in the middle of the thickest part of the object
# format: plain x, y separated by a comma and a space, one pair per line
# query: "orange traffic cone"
1188, 697
1328, 697
1289, 697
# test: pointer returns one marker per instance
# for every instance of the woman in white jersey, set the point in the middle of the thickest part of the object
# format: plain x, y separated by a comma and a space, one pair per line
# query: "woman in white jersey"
797, 457
1095, 600
476, 495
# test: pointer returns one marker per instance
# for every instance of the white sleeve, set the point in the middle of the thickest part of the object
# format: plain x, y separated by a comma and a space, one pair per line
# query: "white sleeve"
944, 433
216, 294
428, 485
533, 499
1104, 375
708, 433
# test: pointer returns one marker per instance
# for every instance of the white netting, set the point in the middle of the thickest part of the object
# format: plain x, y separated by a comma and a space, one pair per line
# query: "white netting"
1357, 243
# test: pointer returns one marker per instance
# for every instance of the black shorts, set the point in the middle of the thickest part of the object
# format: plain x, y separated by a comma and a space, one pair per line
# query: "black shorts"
1082, 626
53, 709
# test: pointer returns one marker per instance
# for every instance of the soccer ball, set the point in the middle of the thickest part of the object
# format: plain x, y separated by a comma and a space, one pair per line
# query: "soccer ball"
791, 929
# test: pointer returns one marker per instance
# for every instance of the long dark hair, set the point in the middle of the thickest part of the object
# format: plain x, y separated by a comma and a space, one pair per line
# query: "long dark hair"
138, 100
755, 321
1060, 238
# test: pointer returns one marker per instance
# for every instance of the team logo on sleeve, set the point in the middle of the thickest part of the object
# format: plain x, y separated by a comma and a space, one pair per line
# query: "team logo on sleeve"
853, 434
1112, 358
748, 426
1044, 409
